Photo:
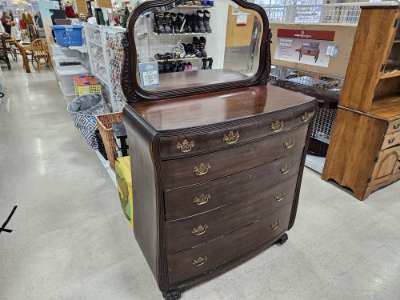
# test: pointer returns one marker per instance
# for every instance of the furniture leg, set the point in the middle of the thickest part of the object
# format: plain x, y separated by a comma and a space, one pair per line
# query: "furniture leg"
283, 239
172, 295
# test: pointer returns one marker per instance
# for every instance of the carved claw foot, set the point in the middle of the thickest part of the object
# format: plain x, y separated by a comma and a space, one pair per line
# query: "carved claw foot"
172, 295
282, 239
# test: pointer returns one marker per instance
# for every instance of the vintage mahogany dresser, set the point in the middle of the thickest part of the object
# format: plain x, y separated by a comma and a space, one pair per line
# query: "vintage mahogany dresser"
216, 167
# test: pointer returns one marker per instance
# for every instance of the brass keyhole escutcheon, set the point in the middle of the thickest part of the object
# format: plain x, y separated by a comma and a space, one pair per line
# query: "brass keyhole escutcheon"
306, 116
277, 126
288, 145
285, 170
232, 137
201, 169
200, 230
275, 225
199, 261
202, 199
185, 146
280, 197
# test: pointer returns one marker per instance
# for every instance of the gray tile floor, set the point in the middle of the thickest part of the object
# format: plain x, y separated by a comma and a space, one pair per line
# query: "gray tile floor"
70, 240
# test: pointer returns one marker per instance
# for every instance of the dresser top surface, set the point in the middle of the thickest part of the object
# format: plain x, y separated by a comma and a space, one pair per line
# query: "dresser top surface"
219, 107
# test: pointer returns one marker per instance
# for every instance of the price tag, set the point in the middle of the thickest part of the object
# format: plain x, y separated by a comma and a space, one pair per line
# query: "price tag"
149, 76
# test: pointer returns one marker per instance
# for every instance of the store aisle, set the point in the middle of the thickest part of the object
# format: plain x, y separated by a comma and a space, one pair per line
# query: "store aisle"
70, 240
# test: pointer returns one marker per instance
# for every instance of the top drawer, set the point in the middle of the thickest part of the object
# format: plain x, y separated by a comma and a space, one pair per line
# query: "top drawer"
202, 142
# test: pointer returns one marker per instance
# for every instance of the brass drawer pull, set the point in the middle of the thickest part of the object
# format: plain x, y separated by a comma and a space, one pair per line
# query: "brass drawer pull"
277, 126
201, 199
306, 117
201, 169
391, 140
280, 197
232, 137
275, 225
185, 146
285, 170
288, 145
198, 262
199, 230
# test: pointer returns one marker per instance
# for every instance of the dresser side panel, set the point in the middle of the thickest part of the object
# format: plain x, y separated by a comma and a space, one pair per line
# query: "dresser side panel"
355, 144
145, 188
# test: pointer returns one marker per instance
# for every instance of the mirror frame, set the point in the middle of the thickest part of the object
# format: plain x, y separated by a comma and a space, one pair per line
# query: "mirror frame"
135, 93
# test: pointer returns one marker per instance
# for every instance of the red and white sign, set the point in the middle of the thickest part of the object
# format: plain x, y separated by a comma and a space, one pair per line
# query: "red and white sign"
321, 35
310, 47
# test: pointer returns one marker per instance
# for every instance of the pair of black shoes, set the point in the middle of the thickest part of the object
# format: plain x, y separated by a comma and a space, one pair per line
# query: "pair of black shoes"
176, 66
179, 23
165, 56
207, 63
197, 48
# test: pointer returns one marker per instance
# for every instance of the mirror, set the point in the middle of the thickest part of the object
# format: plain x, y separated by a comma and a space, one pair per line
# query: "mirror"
192, 44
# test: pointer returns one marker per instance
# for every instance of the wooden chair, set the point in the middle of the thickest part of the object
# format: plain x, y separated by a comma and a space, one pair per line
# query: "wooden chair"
40, 52
3, 51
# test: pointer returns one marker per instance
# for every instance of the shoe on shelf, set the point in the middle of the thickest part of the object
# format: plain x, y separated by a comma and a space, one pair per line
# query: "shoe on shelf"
206, 19
161, 67
179, 24
196, 47
159, 20
200, 21
202, 46
187, 24
204, 64
167, 21
174, 23
194, 23
210, 63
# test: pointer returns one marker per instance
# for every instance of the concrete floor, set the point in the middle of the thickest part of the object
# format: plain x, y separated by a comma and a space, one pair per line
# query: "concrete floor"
70, 240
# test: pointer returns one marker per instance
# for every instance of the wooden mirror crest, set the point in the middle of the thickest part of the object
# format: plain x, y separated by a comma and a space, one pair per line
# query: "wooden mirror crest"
134, 91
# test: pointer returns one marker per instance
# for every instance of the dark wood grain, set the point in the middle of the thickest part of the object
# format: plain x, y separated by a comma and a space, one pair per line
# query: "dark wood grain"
181, 172
144, 177
227, 190
232, 134
240, 242
252, 203
220, 107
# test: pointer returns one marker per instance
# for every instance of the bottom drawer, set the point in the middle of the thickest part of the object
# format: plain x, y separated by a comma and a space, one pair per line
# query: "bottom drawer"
205, 258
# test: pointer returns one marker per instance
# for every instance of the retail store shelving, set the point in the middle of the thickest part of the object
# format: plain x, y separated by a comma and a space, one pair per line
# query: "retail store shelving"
105, 56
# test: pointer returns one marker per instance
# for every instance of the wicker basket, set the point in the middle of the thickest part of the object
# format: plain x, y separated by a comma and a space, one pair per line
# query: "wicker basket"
104, 123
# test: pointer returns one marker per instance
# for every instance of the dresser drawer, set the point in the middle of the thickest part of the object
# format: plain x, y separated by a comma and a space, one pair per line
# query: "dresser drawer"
189, 201
256, 203
187, 171
206, 257
212, 140
390, 140
394, 126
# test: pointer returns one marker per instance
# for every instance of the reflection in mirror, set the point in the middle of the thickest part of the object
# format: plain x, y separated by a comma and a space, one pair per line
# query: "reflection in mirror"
183, 46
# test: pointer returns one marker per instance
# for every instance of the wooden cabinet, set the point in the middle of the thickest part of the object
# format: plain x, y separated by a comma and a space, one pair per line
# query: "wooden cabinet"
364, 151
